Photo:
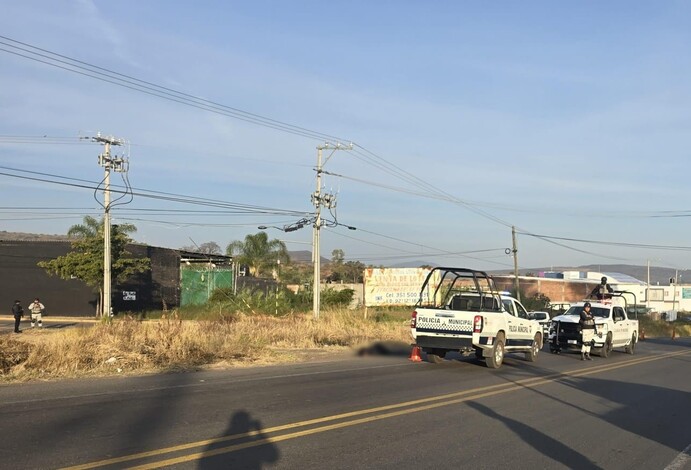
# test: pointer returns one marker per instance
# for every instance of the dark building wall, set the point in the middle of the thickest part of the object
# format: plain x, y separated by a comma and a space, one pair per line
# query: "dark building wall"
157, 289
21, 278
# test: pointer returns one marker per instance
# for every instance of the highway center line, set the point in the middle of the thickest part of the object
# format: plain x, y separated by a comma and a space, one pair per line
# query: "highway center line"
410, 407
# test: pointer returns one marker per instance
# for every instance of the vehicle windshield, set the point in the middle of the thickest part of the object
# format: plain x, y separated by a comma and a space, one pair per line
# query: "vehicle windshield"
539, 316
594, 311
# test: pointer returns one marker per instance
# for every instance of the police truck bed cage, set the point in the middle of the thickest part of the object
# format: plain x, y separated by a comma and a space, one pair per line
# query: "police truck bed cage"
617, 294
460, 289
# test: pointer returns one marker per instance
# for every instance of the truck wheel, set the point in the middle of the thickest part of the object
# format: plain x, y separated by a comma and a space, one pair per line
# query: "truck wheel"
607, 348
436, 356
531, 355
495, 360
632, 345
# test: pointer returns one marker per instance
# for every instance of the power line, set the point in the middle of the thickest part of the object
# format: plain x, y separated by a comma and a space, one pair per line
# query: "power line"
38, 140
100, 73
159, 195
414, 254
45, 139
607, 243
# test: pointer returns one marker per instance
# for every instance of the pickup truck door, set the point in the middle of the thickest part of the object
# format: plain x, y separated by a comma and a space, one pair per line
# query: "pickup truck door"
520, 327
527, 326
621, 329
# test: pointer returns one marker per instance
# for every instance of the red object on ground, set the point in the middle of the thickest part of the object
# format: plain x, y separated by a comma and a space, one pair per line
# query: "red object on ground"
415, 354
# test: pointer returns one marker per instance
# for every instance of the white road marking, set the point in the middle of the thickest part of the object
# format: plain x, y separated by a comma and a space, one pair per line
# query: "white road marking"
682, 460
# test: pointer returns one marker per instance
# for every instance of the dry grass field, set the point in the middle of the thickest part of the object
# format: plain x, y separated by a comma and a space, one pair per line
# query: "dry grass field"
130, 346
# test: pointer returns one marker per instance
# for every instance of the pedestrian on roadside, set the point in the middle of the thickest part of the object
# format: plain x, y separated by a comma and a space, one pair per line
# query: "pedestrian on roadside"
36, 308
18, 313
587, 323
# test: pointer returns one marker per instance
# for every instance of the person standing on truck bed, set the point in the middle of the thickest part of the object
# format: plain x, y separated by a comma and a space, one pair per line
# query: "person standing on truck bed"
587, 323
602, 291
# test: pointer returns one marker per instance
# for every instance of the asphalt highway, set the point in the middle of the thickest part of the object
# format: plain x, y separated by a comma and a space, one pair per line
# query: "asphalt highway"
381, 412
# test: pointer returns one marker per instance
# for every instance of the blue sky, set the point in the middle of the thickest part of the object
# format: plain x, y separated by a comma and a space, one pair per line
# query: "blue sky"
565, 119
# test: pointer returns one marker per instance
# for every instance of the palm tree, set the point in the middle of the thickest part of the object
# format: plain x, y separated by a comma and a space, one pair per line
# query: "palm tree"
92, 227
258, 252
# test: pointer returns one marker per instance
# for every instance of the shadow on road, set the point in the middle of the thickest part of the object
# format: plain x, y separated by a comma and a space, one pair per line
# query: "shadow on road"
540, 441
251, 451
664, 408
121, 425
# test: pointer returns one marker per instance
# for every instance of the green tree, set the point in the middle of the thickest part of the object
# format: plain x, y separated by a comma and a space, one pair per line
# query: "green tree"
258, 252
297, 273
336, 266
85, 261
353, 271
536, 302
337, 256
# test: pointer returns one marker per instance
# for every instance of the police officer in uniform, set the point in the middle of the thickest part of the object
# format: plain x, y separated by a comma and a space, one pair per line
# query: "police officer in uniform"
18, 313
587, 323
602, 291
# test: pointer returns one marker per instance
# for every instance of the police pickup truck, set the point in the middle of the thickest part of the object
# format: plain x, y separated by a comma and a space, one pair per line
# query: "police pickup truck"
460, 310
613, 327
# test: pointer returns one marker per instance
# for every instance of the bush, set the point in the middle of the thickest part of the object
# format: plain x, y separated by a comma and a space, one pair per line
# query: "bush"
279, 302
334, 298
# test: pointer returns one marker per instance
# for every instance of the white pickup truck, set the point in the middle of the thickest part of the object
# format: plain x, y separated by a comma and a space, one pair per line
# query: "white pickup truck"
613, 327
460, 310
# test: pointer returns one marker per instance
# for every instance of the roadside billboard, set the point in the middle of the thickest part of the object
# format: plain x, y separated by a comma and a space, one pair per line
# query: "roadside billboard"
393, 286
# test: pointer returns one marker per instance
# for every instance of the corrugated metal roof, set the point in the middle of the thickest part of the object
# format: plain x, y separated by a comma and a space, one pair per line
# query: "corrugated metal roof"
619, 278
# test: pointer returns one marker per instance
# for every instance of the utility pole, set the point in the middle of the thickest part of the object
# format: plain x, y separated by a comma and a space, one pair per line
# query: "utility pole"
674, 292
515, 263
647, 289
319, 200
117, 164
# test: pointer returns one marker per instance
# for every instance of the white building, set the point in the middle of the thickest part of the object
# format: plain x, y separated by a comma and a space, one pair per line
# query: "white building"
673, 297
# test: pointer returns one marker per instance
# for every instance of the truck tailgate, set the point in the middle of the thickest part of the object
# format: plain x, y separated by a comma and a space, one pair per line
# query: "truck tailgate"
444, 322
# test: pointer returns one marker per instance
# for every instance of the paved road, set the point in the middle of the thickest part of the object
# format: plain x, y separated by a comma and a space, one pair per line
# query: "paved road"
383, 412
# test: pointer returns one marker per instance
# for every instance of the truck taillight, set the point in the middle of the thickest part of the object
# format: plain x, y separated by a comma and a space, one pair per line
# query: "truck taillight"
413, 319
477, 324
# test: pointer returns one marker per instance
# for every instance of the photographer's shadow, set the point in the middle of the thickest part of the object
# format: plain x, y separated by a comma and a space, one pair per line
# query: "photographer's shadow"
249, 449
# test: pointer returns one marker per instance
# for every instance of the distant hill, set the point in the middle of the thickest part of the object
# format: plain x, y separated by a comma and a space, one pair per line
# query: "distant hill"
413, 264
304, 256
40, 237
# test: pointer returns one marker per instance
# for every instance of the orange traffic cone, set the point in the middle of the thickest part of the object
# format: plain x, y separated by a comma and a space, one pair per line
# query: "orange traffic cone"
415, 354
